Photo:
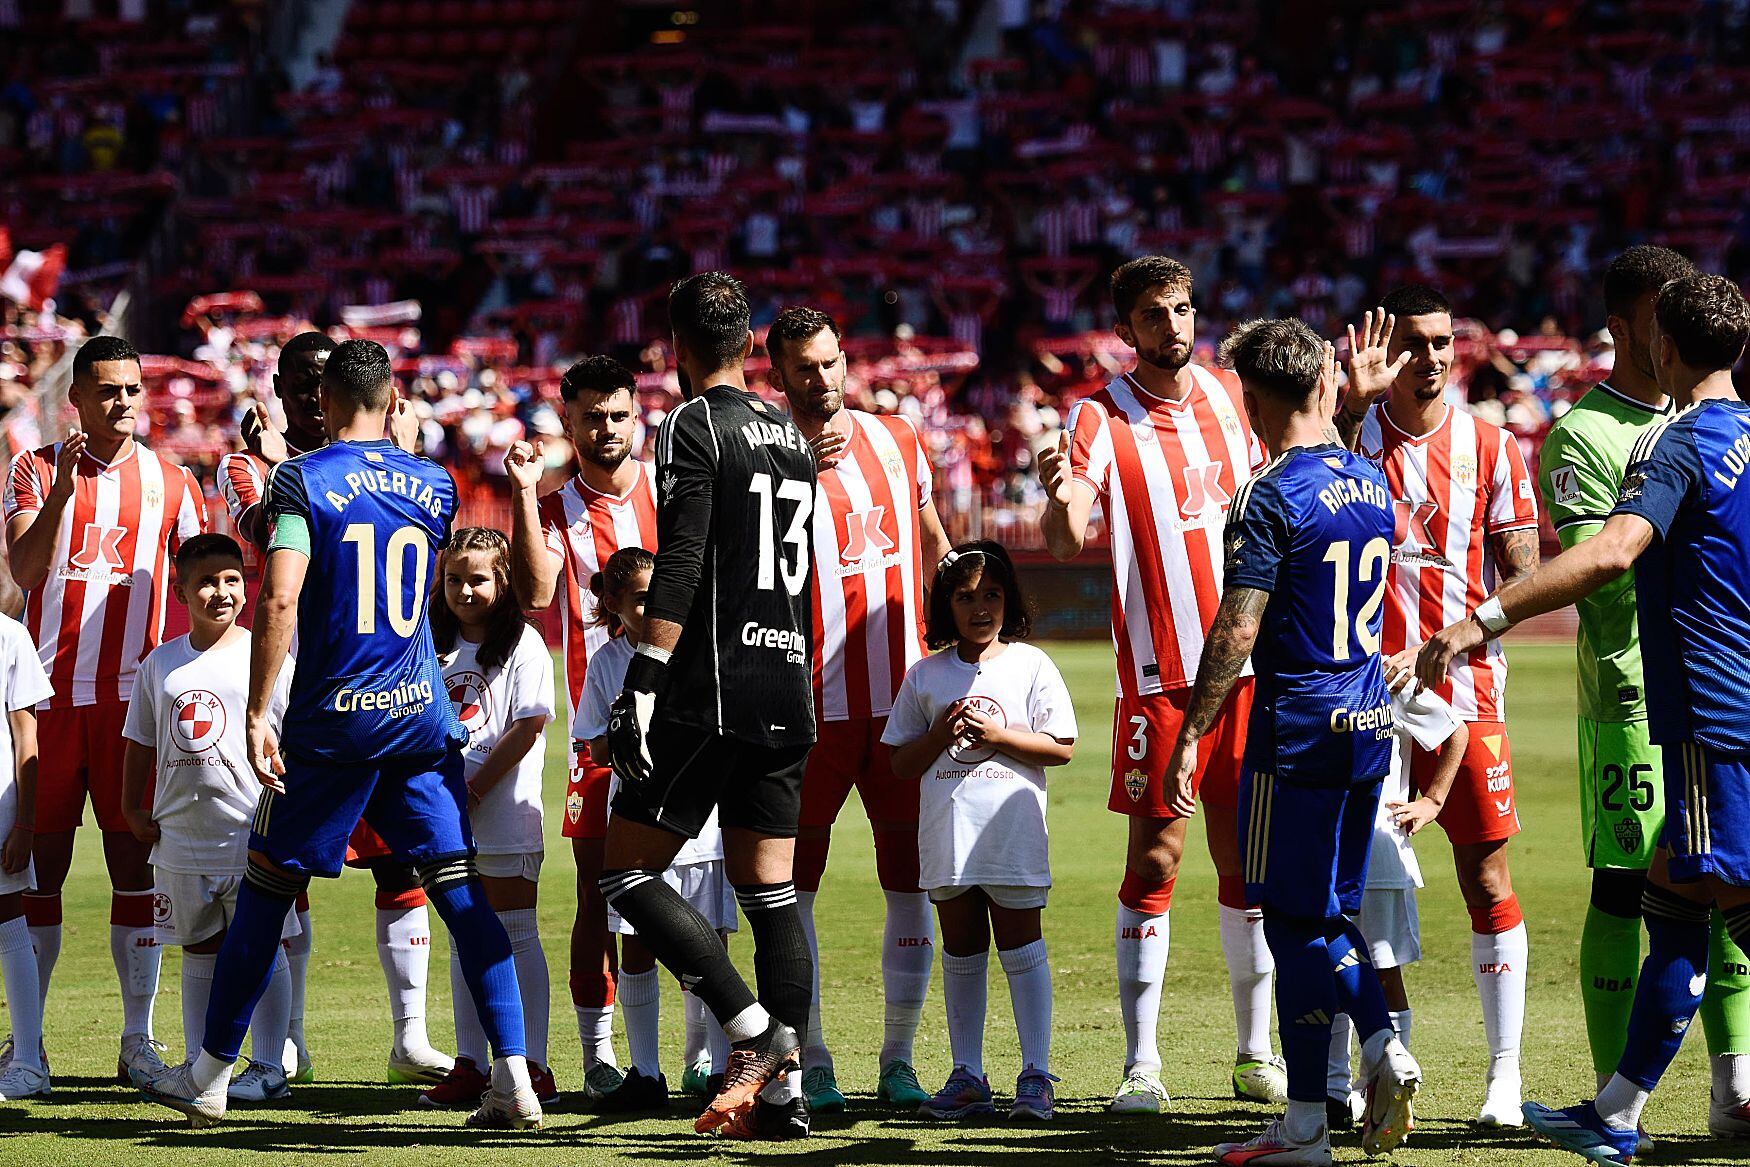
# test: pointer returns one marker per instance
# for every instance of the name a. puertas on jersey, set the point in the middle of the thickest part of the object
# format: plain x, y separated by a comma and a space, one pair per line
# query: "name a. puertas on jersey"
389, 482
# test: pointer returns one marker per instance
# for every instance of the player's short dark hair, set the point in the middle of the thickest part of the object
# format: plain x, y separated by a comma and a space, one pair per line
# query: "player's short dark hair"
101, 348
311, 342
1641, 271
1281, 358
1706, 318
597, 374
708, 313
961, 564
1415, 300
796, 324
207, 545
359, 371
1144, 274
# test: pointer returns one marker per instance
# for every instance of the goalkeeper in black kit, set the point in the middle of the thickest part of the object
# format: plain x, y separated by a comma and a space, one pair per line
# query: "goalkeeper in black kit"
718, 706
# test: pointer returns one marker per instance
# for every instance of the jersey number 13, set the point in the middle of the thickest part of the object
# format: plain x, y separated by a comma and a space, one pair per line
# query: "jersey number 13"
790, 560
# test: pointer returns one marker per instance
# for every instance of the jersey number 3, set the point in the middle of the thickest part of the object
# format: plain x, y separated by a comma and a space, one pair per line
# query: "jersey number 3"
1369, 569
773, 560
402, 603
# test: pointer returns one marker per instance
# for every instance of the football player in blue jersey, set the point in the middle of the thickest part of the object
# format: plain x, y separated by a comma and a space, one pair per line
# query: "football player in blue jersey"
1308, 542
356, 528
1681, 524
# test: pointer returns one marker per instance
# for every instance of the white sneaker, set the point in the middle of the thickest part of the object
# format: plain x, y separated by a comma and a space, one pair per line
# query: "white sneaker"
1141, 1093
1265, 1081
1390, 1086
1274, 1148
421, 1066
141, 1053
1502, 1105
8, 1047
174, 1087
21, 1082
259, 1083
499, 1111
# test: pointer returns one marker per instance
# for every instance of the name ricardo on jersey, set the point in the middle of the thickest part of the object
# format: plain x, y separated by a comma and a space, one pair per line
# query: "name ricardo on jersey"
404, 700
791, 642
1344, 492
1378, 719
388, 482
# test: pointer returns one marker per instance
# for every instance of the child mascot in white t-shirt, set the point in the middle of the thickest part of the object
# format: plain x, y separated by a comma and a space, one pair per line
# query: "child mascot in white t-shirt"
980, 721
500, 678
24, 1070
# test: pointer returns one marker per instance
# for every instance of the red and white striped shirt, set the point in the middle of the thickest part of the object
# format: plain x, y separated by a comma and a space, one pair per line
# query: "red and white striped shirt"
1452, 488
242, 481
100, 608
1164, 473
868, 568
583, 528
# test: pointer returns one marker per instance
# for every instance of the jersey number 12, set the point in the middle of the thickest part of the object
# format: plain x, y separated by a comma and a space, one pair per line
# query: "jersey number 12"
402, 602
1368, 569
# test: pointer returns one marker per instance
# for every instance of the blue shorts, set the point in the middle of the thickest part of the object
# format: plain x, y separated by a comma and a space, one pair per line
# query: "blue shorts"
1707, 814
1304, 849
418, 807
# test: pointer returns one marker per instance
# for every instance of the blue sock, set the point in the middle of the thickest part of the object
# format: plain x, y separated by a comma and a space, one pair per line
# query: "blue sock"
245, 960
1673, 978
1306, 1000
1358, 991
482, 949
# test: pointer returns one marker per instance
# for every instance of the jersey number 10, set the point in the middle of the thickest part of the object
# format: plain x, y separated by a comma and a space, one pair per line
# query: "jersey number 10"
402, 603
1369, 569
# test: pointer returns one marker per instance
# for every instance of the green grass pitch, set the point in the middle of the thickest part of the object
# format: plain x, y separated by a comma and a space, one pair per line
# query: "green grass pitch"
348, 1114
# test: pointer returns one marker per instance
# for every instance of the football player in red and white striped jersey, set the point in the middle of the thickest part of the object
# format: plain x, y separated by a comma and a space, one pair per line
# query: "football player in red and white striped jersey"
1163, 448
875, 526
1467, 525
91, 523
403, 918
558, 542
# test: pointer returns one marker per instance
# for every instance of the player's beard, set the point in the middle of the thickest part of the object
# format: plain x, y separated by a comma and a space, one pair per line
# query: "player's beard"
609, 462
803, 404
1164, 358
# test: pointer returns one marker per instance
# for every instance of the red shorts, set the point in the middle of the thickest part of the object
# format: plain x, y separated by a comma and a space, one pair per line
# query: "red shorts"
365, 846
851, 753
1144, 731
1481, 807
81, 750
586, 799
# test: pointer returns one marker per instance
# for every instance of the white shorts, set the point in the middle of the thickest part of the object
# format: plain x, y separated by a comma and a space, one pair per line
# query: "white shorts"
23, 881
1003, 895
1390, 925
705, 886
188, 907
518, 865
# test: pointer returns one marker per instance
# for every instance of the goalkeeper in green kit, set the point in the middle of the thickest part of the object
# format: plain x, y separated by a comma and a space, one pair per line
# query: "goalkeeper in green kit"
1621, 791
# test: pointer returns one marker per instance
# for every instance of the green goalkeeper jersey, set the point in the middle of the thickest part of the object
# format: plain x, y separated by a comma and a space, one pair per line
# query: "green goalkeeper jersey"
1579, 471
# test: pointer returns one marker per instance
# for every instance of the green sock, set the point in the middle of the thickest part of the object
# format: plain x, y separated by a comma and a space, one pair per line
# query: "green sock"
1725, 1010
1610, 957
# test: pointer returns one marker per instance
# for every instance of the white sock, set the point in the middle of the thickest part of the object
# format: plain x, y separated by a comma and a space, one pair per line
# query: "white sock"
136, 955
197, 990
963, 992
1029, 976
1400, 1025
814, 1051
23, 994
783, 1088
698, 1027
717, 1044
1620, 1103
531, 977
210, 1075
748, 1024
1305, 1121
1249, 966
470, 1034
404, 950
45, 940
272, 1016
1731, 1074
595, 1029
1372, 1050
1142, 943
510, 1074
908, 953
1604, 1080
1338, 1081
641, 1007
298, 950
1498, 966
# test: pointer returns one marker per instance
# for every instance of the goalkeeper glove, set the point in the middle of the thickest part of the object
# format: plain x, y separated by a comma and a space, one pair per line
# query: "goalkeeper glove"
629, 716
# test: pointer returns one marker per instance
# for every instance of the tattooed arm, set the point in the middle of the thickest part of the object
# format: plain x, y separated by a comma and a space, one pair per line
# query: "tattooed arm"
1516, 553
1224, 654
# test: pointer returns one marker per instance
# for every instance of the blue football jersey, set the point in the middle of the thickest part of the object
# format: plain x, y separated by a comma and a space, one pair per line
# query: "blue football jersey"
1692, 583
1314, 529
368, 685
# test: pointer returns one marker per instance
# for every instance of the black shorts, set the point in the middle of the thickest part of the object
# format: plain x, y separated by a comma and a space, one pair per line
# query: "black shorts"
693, 771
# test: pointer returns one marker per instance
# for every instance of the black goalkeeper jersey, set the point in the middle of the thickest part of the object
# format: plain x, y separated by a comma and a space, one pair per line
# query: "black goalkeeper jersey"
735, 501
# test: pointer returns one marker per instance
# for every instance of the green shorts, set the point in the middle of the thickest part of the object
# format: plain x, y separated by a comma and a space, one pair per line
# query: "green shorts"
1622, 794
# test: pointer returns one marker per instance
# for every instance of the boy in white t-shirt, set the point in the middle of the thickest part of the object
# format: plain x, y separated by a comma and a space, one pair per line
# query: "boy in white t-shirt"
1388, 919
186, 743
23, 683
980, 721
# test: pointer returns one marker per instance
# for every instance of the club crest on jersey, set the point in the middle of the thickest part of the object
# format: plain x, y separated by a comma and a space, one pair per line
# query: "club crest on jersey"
1135, 784
966, 752
468, 694
198, 719
1629, 834
893, 464
573, 807
154, 496
1464, 470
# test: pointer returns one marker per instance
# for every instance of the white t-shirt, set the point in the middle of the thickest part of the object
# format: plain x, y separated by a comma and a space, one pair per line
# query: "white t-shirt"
23, 683
981, 813
508, 819
601, 684
1427, 720
189, 706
